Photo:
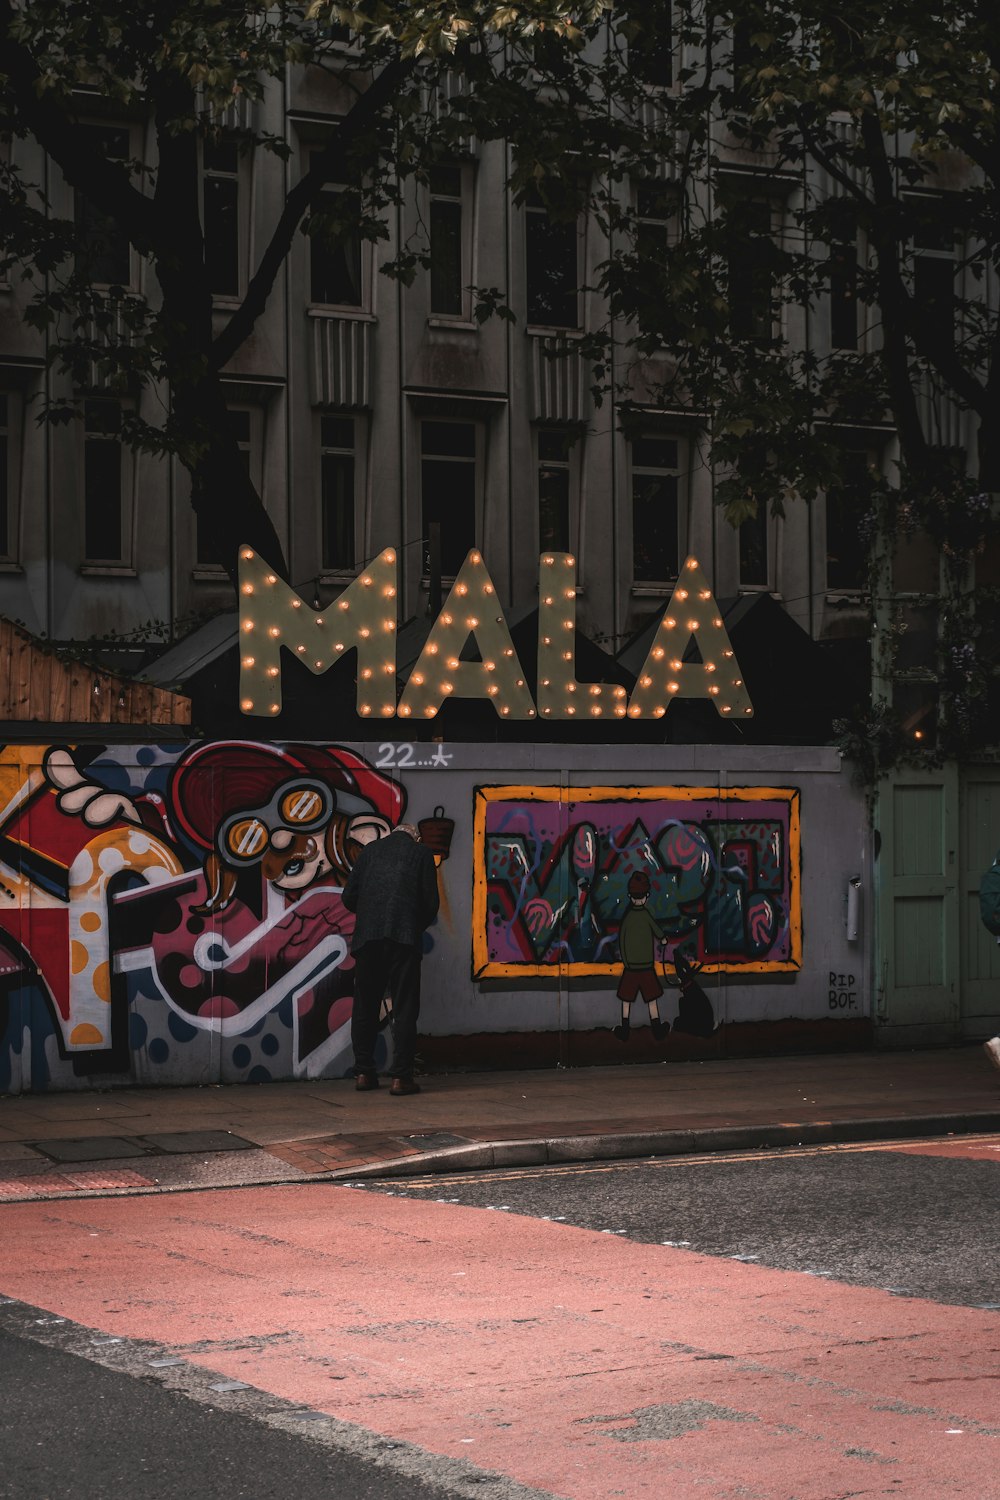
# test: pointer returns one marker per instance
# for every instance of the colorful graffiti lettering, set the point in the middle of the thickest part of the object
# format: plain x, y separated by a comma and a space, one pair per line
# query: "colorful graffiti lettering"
553, 866
175, 914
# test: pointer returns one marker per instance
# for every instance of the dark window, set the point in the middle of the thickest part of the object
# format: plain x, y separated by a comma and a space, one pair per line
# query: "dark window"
5, 538
934, 293
655, 546
934, 268
751, 291
448, 489
102, 482
844, 282
753, 549
553, 491
846, 504
335, 248
656, 206
651, 49
551, 255
221, 190
240, 427
745, 56
103, 256
337, 492
447, 277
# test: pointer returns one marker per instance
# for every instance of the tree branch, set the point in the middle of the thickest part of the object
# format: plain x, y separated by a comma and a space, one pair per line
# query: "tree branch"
104, 182
300, 198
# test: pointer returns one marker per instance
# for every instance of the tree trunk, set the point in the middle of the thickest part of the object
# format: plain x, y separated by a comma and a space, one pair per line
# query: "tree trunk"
223, 495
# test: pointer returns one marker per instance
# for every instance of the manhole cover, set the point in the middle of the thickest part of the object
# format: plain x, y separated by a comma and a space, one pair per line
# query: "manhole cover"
90, 1148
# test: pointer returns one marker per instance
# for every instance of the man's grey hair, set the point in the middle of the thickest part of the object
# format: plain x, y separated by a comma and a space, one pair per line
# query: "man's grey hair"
409, 828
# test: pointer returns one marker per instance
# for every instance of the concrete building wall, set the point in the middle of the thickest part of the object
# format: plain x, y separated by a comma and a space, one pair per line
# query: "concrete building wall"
389, 365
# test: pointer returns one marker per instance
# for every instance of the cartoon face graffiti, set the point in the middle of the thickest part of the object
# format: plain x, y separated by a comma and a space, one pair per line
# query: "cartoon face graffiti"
298, 814
203, 886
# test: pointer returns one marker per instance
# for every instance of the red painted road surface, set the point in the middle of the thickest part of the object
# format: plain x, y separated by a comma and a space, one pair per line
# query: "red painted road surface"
579, 1363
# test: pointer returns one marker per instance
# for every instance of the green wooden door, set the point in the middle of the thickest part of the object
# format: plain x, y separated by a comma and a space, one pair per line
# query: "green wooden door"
980, 818
918, 960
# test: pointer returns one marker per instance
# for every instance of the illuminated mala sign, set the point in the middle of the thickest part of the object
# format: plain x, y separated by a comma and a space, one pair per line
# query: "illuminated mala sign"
363, 619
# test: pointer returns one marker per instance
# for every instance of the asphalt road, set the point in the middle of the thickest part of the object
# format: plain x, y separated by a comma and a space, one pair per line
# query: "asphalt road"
894, 1217
73, 1430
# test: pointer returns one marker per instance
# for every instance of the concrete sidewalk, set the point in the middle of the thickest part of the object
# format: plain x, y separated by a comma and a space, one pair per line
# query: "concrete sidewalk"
158, 1140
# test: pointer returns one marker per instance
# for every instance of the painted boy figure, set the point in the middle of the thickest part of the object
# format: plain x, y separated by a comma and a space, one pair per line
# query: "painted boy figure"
637, 937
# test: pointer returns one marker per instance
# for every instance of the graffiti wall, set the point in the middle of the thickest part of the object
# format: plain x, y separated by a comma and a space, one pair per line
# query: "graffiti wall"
553, 869
173, 913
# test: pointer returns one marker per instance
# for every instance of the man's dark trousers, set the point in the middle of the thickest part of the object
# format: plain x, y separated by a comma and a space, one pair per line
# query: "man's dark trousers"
379, 967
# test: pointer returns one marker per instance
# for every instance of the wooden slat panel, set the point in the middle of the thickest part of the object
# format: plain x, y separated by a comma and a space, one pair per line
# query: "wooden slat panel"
6, 646
81, 682
59, 694
40, 685
121, 707
20, 675
161, 708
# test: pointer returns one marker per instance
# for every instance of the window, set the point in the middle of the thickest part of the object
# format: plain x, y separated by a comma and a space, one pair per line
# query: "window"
446, 249
448, 489
754, 570
554, 481
240, 425
221, 195
751, 289
335, 260
655, 221
551, 265
655, 510
6, 455
103, 520
934, 271
337, 493
651, 50
103, 255
846, 504
844, 280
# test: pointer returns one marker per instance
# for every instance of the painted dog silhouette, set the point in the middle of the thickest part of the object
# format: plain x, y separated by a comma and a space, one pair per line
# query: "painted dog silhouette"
695, 1016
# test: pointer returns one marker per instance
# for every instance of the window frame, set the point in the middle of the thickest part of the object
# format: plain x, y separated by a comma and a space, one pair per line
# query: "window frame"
739, 202
532, 209
477, 461
837, 592
94, 126
680, 473
241, 177
125, 563
571, 464
467, 239
362, 308
10, 459
203, 570
329, 573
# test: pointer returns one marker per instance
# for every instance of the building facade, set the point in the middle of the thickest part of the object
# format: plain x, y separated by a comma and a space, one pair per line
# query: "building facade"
373, 415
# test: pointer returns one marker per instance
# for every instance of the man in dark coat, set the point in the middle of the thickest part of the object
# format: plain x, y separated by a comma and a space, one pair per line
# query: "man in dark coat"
392, 889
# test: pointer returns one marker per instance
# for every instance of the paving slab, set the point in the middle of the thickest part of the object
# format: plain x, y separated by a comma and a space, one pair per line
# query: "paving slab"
324, 1129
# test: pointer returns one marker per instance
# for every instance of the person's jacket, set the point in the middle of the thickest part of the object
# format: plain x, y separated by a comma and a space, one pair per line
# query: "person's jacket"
393, 891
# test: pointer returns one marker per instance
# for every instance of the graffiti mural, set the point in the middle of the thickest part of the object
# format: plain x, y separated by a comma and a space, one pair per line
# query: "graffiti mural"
176, 913
553, 867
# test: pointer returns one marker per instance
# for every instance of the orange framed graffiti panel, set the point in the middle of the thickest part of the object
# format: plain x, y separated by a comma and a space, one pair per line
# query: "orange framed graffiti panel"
552, 865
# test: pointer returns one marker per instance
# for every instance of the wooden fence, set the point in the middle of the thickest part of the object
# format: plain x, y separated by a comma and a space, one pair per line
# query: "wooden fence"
40, 685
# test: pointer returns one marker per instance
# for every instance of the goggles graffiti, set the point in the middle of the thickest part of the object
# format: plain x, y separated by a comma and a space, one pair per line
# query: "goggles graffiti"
296, 807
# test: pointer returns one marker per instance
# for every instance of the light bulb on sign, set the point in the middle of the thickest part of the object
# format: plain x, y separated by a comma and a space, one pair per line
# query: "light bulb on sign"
267, 602
691, 679
497, 678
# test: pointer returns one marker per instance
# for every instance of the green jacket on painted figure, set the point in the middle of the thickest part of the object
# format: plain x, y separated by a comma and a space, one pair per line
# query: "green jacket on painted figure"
636, 938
